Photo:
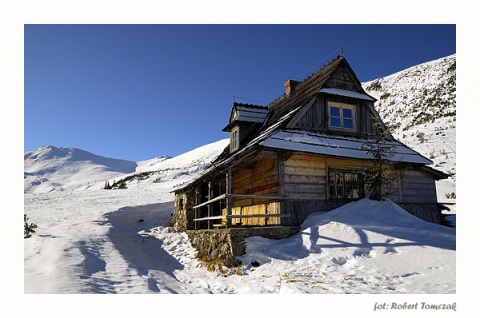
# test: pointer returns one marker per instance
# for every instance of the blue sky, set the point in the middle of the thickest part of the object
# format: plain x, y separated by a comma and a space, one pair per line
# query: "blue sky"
140, 91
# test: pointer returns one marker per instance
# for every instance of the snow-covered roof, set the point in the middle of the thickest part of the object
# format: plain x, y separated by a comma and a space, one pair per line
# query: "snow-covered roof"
347, 93
251, 114
349, 147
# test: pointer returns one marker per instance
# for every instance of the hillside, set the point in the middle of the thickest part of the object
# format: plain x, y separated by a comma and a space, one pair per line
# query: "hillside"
60, 169
52, 168
419, 104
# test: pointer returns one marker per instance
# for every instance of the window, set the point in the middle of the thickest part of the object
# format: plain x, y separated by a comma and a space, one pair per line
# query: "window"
345, 185
234, 139
341, 116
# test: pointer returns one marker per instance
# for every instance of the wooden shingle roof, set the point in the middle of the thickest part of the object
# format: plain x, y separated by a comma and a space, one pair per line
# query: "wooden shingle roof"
305, 90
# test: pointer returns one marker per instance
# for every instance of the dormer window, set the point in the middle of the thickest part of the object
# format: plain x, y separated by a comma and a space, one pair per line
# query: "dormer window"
341, 116
245, 120
234, 139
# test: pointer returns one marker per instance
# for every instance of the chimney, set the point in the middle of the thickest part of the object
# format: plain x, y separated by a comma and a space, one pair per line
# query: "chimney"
290, 86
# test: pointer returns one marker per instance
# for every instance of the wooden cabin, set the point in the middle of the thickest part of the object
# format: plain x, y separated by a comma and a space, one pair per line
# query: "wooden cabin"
304, 152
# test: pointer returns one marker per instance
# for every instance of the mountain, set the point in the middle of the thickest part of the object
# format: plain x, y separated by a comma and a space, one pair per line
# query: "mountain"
419, 104
56, 168
169, 172
59, 169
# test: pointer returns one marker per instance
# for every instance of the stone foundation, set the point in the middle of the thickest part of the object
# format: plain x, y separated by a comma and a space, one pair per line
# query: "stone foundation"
226, 244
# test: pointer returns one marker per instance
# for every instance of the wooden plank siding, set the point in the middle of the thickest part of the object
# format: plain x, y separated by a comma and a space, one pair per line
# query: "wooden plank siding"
315, 117
267, 208
305, 177
259, 179
417, 187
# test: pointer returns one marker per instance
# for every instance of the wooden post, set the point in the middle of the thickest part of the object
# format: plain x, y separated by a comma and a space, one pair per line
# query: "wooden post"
196, 209
328, 182
281, 174
266, 212
400, 190
209, 207
229, 198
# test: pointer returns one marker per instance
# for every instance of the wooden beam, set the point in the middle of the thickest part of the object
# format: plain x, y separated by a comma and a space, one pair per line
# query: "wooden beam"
247, 216
220, 217
196, 202
209, 206
248, 196
220, 197
228, 193
256, 196
244, 216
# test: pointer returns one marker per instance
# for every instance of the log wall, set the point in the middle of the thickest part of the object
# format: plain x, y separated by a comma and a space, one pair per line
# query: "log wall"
302, 181
260, 178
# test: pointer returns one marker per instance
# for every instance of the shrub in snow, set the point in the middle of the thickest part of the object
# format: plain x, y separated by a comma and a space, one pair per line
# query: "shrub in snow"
28, 228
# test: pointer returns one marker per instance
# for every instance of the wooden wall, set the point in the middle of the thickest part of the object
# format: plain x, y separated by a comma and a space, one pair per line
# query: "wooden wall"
266, 208
305, 177
417, 187
302, 180
315, 118
258, 178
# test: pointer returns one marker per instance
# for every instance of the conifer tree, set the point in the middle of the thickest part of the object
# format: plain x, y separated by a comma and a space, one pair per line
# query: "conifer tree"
107, 185
378, 179
28, 228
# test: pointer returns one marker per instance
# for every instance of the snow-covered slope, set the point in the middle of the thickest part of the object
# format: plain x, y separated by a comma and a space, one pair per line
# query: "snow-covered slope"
419, 104
170, 172
56, 168
114, 244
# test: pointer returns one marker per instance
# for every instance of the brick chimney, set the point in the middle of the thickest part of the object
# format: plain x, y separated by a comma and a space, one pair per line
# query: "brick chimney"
290, 86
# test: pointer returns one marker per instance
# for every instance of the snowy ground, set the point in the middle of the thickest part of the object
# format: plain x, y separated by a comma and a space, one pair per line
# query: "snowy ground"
91, 241
96, 242
114, 242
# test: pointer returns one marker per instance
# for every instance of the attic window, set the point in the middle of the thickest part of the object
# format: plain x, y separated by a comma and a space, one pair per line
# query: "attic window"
341, 116
234, 139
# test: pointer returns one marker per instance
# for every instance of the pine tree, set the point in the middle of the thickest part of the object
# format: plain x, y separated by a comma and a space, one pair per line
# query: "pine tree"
107, 185
28, 228
377, 178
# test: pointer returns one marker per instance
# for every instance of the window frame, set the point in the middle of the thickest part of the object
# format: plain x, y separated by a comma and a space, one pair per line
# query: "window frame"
234, 139
341, 107
339, 188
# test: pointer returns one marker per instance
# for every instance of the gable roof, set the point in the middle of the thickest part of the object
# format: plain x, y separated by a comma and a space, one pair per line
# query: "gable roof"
304, 91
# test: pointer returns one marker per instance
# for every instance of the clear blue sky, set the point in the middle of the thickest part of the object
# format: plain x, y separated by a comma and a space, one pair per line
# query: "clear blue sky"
136, 92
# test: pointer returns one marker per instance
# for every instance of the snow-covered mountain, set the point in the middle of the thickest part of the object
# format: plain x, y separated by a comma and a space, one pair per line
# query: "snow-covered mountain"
59, 169
419, 104
52, 168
